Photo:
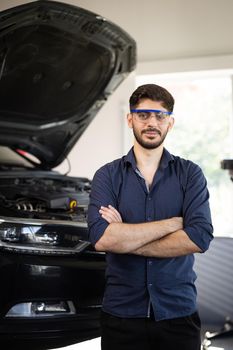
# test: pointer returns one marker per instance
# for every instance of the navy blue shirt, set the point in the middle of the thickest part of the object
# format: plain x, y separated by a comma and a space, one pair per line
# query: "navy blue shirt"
136, 283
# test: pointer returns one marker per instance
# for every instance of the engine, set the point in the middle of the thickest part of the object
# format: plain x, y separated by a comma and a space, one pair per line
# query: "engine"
56, 197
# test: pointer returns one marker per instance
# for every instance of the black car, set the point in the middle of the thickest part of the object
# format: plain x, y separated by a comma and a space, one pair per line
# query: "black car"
58, 65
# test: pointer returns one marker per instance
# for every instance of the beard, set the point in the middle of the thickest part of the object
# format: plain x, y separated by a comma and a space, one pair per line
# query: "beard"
149, 144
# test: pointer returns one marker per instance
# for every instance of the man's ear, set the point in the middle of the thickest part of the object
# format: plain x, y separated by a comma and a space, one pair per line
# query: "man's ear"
130, 120
171, 123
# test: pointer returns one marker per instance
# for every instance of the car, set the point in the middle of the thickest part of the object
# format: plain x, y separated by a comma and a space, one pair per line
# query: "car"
58, 65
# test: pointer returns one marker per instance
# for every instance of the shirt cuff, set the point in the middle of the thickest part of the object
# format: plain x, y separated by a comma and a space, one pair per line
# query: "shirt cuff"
96, 231
201, 237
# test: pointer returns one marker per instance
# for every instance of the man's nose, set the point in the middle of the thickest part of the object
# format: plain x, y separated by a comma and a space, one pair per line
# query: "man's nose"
153, 119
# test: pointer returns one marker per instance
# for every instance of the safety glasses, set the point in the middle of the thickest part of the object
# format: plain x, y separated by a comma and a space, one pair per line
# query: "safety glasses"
144, 115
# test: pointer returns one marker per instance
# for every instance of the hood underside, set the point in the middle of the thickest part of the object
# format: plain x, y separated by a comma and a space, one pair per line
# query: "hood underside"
58, 65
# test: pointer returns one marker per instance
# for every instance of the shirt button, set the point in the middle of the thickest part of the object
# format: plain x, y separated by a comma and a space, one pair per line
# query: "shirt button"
149, 198
148, 218
150, 262
150, 285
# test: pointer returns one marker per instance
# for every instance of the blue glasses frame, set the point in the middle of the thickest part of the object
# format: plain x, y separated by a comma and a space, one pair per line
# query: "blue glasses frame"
150, 111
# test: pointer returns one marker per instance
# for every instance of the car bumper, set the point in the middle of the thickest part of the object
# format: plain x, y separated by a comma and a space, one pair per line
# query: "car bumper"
37, 279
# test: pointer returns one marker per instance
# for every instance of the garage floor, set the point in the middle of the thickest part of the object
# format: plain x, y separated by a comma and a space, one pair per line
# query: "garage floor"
93, 344
218, 344
221, 343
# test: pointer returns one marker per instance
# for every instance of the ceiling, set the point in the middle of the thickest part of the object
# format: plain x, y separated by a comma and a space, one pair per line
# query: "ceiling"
167, 29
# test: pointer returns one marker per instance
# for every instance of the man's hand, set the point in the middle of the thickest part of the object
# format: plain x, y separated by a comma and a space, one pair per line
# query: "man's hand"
110, 214
176, 223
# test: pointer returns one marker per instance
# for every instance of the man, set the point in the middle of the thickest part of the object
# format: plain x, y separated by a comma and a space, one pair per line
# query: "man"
149, 212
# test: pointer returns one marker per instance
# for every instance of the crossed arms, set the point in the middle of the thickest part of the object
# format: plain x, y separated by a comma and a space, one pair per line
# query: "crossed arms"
163, 238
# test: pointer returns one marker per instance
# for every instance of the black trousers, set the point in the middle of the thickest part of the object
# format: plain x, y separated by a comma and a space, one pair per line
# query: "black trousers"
147, 334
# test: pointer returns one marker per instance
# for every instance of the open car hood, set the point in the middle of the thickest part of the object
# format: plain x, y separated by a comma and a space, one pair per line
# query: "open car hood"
58, 65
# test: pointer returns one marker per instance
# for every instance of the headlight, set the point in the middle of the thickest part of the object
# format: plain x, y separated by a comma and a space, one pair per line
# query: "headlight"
42, 237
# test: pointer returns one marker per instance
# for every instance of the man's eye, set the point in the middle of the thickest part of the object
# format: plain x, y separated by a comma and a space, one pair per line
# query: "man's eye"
143, 115
160, 116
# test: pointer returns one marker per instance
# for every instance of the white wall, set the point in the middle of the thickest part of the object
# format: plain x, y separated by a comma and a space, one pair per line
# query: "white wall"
207, 63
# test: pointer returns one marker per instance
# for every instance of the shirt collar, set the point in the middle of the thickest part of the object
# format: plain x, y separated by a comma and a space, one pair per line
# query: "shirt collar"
167, 157
130, 159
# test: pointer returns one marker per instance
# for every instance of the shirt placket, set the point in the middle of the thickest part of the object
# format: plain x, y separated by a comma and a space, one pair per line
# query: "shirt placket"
149, 217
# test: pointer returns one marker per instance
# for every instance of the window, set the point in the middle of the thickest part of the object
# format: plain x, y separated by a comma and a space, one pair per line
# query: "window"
203, 133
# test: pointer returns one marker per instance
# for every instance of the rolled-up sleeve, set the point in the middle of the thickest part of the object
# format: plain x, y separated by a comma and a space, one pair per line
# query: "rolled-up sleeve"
101, 195
196, 210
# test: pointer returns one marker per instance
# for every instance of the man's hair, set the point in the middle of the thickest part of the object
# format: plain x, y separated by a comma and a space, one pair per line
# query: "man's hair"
154, 93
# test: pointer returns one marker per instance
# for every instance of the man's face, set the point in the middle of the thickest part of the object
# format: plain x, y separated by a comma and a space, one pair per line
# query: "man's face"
150, 133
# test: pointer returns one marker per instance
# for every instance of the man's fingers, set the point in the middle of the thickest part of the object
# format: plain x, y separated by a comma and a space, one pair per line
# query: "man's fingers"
110, 214
105, 217
116, 212
105, 213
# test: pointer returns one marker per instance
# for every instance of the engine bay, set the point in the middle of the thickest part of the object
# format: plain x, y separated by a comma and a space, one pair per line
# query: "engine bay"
40, 196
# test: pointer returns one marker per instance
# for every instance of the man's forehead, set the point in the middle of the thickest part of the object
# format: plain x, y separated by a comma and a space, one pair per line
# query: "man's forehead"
150, 104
